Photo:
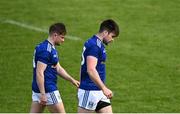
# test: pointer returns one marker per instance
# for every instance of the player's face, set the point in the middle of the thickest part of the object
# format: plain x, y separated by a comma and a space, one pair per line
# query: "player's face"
59, 39
108, 38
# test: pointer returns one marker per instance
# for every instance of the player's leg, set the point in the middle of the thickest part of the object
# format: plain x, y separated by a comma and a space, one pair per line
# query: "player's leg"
107, 109
36, 107
55, 104
56, 108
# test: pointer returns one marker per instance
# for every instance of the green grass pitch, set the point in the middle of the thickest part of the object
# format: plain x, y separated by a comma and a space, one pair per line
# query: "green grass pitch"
143, 64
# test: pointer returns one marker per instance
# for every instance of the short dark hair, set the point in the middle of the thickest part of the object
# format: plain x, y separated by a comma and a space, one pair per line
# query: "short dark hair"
111, 26
58, 28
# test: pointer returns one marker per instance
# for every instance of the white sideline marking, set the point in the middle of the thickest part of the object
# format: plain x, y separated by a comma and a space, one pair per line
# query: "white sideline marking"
36, 28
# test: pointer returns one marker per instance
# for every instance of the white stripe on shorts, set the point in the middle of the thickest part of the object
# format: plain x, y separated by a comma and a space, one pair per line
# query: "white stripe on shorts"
53, 97
85, 98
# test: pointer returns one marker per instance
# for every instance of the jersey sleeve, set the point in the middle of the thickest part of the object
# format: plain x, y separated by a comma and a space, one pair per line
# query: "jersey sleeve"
43, 56
93, 51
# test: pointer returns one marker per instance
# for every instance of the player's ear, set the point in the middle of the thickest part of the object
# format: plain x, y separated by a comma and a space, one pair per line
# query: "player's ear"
55, 34
105, 33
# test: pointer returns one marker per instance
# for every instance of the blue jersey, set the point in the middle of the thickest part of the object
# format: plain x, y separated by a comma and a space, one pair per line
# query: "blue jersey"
46, 53
93, 47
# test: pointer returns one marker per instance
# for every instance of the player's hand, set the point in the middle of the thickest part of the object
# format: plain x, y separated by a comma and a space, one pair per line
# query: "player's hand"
76, 83
107, 92
43, 99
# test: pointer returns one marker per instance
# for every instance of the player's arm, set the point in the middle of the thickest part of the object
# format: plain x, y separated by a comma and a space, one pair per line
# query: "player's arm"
40, 80
91, 69
62, 72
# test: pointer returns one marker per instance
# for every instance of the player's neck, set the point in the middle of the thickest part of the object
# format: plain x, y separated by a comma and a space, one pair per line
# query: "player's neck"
100, 36
50, 40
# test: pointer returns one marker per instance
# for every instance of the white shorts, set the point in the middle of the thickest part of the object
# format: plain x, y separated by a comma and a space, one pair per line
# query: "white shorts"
89, 99
52, 97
